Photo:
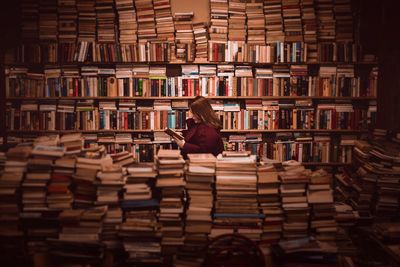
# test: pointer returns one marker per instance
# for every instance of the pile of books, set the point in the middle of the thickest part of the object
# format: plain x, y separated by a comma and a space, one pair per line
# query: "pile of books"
127, 21
48, 20
219, 11
273, 21
29, 20
344, 21
105, 17
255, 22
237, 21
164, 20
145, 20
67, 21
86, 20
200, 31
184, 38
292, 20
309, 21
326, 29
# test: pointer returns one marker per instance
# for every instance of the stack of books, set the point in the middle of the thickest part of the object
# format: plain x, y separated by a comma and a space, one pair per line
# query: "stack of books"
105, 17
170, 181
292, 20
67, 21
164, 20
48, 21
273, 21
86, 20
127, 21
344, 21
255, 22
236, 205
145, 20
29, 20
326, 29
109, 184
59, 195
199, 182
309, 29
219, 11
123, 158
237, 21
270, 202
184, 38
293, 189
200, 31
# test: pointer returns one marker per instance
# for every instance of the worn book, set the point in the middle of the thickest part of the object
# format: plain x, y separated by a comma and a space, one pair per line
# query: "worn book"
173, 134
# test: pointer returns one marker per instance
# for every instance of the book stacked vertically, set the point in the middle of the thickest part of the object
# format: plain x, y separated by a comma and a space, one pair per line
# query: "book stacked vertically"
292, 20
86, 20
326, 29
29, 20
255, 22
273, 21
106, 23
293, 189
236, 205
164, 20
237, 21
10, 184
127, 21
344, 21
270, 202
199, 185
67, 21
145, 20
48, 20
140, 231
320, 198
309, 29
184, 38
79, 239
200, 31
171, 183
37, 219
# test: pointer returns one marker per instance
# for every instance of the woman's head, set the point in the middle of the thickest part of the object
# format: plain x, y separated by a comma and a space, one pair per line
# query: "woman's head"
203, 112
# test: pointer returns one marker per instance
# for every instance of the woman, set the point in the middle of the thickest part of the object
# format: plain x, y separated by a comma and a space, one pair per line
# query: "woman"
203, 134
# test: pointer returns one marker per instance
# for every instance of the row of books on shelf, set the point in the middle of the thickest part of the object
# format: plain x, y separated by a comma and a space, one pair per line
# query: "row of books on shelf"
230, 51
192, 80
234, 115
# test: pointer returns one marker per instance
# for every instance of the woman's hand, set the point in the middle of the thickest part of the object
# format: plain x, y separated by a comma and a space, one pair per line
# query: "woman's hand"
180, 143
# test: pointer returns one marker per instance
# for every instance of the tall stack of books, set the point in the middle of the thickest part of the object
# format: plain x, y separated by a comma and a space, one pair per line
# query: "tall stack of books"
199, 182
140, 231
236, 205
255, 22
184, 38
80, 234
237, 21
270, 202
37, 219
29, 20
344, 21
86, 20
164, 20
127, 21
309, 29
109, 184
294, 201
10, 182
59, 195
218, 30
326, 29
67, 21
145, 20
48, 20
292, 21
171, 183
273, 21
200, 31
106, 23
320, 198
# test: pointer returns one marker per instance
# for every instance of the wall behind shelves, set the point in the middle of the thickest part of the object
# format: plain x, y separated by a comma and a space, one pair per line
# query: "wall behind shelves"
200, 8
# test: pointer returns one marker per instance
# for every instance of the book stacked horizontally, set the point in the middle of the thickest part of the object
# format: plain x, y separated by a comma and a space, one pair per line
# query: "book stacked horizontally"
273, 21
200, 31
48, 20
86, 20
145, 20
237, 20
270, 202
67, 20
123, 158
105, 17
199, 182
79, 237
140, 231
164, 20
184, 38
309, 21
236, 205
29, 20
293, 189
255, 22
171, 183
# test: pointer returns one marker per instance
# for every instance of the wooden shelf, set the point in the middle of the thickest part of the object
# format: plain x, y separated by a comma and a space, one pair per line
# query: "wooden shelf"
192, 97
69, 64
222, 131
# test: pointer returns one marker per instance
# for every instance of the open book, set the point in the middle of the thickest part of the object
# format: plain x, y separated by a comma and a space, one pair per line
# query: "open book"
173, 134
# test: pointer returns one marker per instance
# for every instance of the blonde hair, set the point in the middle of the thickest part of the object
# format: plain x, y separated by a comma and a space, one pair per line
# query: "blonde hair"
202, 108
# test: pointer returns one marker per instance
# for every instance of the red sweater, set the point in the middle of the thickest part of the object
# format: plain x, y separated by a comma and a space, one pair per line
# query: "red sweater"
202, 138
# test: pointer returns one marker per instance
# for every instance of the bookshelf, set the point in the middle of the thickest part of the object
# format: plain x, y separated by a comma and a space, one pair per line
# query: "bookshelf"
301, 74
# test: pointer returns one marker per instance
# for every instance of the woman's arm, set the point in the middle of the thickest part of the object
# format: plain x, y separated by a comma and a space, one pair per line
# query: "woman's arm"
203, 142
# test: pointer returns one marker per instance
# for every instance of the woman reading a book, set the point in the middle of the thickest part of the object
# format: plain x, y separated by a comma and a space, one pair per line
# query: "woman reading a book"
203, 133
